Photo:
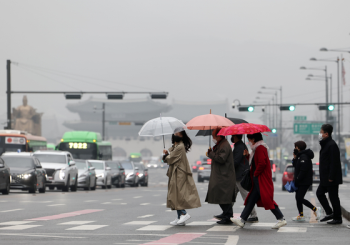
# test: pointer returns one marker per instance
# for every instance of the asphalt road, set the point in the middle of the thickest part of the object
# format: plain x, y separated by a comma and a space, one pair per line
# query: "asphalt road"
139, 216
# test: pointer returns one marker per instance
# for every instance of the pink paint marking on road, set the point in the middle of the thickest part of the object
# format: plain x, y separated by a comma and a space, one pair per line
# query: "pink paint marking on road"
178, 238
66, 215
237, 215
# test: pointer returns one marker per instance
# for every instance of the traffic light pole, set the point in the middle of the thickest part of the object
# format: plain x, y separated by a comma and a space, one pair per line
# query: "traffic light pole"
327, 111
8, 68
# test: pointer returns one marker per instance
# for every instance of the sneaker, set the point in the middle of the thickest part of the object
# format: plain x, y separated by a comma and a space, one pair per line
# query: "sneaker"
175, 222
318, 213
184, 218
299, 218
238, 222
253, 220
328, 217
279, 224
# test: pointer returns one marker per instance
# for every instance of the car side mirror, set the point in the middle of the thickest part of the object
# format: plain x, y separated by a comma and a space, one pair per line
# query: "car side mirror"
92, 168
108, 168
71, 163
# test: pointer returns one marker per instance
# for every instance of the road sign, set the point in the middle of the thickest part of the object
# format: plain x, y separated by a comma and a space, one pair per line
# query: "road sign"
307, 127
300, 118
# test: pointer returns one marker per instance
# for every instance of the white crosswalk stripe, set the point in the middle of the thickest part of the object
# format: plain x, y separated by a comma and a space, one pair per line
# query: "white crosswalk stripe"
19, 227
76, 223
155, 228
16, 222
292, 229
86, 227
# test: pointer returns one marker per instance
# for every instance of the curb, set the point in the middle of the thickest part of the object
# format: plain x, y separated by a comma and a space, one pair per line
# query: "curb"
345, 213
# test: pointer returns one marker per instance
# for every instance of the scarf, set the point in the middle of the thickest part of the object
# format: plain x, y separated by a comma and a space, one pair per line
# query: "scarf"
259, 143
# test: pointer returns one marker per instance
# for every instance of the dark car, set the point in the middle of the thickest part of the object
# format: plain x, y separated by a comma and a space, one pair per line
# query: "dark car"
204, 171
131, 172
86, 175
316, 171
26, 172
143, 174
5, 178
118, 173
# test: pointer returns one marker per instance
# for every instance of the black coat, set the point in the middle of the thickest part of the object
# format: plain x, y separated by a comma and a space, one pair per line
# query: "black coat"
241, 163
330, 164
303, 171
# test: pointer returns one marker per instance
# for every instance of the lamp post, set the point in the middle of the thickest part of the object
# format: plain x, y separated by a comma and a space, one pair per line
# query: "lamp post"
103, 109
267, 118
326, 80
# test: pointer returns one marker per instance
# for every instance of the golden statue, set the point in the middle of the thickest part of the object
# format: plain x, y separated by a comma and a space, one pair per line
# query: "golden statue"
25, 118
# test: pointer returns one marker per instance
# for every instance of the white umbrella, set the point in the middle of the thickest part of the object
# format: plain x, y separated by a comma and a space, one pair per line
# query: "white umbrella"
161, 126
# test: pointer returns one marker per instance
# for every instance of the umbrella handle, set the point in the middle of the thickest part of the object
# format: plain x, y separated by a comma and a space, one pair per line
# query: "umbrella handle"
163, 142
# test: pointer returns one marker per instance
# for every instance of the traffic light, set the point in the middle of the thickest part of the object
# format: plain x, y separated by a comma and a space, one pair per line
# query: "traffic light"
274, 130
287, 108
324, 107
246, 108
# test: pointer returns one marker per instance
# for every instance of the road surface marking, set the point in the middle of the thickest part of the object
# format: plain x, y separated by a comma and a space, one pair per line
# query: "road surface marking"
145, 216
53, 205
138, 197
164, 204
106, 203
117, 199
76, 222
140, 222
282, 208
223, 228
144, 204
38, 201
178, 238
263, 224
155, 228
16, 222
292, 229
156, 195
19, 227
168, 210
232, 240
86, 227
32, 235
66, 215
11, 210
91, 201
3, 201
201, 223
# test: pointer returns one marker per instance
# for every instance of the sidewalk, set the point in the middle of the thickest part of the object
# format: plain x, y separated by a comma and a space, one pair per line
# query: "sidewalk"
345, 198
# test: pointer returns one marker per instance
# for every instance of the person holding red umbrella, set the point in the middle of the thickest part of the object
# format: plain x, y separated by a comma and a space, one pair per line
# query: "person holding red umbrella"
262, 189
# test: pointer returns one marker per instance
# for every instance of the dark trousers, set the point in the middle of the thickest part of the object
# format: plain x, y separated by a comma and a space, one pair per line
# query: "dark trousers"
299, 197
253, 199
333, 193
227, 210
181, 212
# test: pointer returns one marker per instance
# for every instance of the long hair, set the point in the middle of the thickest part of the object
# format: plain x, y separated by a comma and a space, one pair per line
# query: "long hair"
186, 140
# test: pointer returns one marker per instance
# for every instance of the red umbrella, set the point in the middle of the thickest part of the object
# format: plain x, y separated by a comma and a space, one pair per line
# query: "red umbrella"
244, 128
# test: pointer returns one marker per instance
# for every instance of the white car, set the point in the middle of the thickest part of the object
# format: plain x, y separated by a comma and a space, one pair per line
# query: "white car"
103, 173
60, 169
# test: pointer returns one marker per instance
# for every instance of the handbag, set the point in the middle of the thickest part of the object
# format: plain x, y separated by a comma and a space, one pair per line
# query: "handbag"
290, 187
246, 181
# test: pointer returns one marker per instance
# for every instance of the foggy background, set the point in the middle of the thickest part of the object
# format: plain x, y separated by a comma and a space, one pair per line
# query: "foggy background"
195, 50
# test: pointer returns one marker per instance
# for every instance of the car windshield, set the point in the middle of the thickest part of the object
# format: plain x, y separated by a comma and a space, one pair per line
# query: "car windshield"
19, 162
81, 165
51, 158
113, 165
98, 165
127, 165
290, 170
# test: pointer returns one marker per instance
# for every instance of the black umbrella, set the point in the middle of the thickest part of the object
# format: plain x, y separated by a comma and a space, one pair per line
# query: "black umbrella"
209, 132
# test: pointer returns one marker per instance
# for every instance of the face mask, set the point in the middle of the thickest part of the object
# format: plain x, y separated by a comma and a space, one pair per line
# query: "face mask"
320, 137
215, 141
250, 144
295, 152
177, 138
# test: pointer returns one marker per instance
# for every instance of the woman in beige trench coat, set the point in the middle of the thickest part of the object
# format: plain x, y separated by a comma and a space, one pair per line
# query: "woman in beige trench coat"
182, 191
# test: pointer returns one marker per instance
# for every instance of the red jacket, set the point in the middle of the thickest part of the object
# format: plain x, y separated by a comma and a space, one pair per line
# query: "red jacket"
263, 172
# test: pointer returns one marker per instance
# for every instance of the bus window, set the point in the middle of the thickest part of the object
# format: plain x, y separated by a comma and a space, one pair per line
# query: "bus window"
105, 152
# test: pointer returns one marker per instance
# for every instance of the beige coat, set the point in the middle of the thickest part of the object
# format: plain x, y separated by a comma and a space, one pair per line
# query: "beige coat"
222, 182
182, 191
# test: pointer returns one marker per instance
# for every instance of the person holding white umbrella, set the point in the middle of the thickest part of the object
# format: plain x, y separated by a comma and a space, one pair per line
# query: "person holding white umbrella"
182, 191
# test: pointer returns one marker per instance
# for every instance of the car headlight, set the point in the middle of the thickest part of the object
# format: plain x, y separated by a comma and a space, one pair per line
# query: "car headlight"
26, 176
140, 175
130, 175
46, 176
100, 175
155, 165
149, 165
62, 174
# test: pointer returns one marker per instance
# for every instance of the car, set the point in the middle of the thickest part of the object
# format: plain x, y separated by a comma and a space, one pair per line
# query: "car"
196, 166
103, 173
204, 172
143, 174
60, 169
288, 175
26, 171
5, 178
132, 173
118, 173
86, 175
154, 163
273, 170
316, 173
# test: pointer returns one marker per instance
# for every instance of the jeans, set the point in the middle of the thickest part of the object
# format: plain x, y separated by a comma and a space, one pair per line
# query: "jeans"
244, 194
299, 197
227, 210
181, 212
253, 199
333, 193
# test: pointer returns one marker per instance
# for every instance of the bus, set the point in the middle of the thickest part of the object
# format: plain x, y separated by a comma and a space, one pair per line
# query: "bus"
20, 141
86, 145
51, 146
135, 157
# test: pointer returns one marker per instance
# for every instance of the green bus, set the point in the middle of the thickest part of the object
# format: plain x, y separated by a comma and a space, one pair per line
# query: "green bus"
135, 157
86, 145
51, 146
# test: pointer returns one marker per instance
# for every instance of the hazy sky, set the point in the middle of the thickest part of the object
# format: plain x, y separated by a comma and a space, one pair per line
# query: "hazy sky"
196, 50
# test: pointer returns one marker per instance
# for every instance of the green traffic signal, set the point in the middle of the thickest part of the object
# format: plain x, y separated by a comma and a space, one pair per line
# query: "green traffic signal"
274, 130
331, 107
292, 108
250, 108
